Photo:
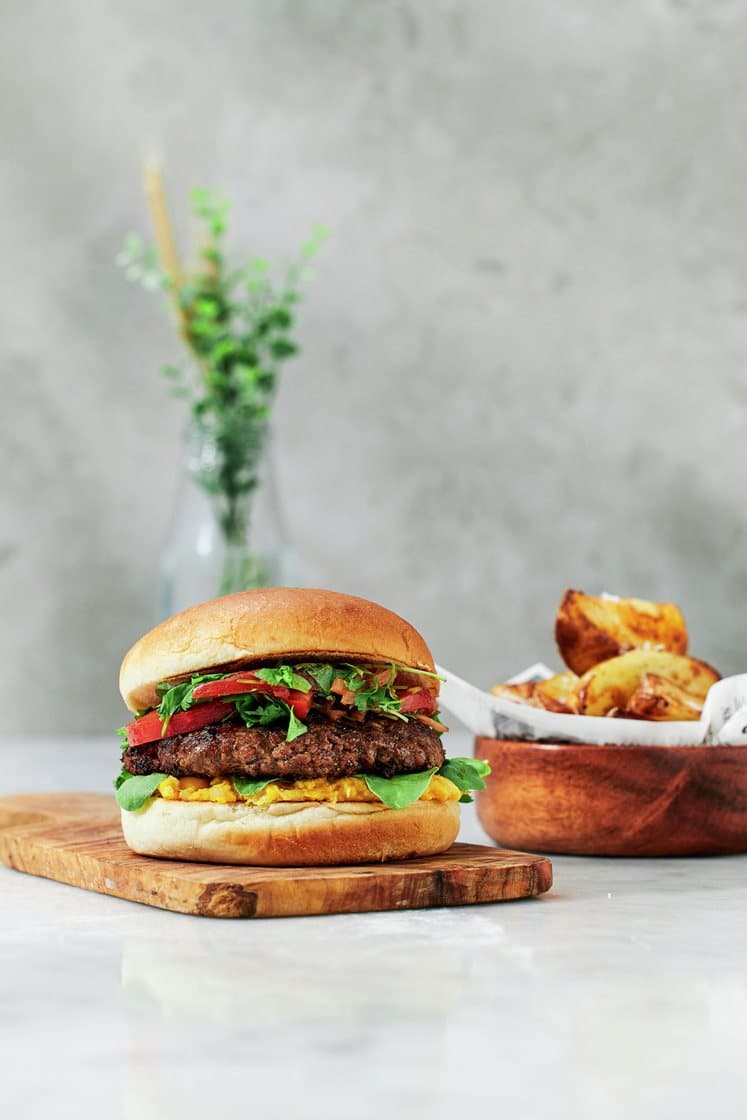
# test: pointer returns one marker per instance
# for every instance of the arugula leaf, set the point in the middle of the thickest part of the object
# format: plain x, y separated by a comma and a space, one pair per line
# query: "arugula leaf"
323, 675
271, 711
466, 774
285, 675
247, 787
361, 681
179, 697
400, 791
295, 726
421, 672
257, 709
379, 698
135, 789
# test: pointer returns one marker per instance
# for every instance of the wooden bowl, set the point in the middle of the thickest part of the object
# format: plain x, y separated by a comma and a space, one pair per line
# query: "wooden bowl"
579, 799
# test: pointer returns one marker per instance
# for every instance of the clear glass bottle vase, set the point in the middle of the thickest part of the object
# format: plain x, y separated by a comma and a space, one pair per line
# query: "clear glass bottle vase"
217, 545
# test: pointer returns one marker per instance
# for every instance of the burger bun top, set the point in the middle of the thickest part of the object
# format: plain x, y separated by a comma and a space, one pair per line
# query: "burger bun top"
267, 625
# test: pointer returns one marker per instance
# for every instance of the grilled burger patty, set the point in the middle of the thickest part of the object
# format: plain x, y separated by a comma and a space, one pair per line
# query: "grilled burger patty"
327, 750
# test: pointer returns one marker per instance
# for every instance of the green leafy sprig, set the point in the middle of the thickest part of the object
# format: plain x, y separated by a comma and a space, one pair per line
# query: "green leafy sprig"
238, 322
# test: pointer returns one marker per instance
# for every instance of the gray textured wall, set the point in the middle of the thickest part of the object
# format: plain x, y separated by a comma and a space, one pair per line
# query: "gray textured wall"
524, 350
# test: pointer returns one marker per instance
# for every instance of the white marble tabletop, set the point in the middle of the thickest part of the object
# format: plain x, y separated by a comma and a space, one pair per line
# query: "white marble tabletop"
622, 993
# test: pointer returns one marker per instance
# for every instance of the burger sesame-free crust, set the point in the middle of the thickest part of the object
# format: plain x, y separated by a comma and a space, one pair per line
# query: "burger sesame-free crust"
270, 624
329, 750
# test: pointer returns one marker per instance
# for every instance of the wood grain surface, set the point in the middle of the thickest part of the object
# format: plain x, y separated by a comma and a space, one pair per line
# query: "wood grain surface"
76, 838
581, 799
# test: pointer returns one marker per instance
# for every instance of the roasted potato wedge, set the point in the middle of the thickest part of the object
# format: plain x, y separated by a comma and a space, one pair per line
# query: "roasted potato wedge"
521, 693
611, 685
660, 699
594, 628
557, 694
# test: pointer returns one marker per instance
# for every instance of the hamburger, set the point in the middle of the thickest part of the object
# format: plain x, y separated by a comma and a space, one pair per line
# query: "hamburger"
287, 727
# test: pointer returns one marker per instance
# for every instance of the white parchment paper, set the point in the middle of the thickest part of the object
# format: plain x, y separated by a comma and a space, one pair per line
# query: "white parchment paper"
724, 718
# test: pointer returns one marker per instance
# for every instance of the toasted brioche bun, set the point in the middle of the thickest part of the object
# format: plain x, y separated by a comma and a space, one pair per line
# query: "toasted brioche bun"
290, 834
271, 624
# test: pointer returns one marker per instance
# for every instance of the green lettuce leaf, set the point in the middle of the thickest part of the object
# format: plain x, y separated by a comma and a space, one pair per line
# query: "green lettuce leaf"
400, 791
466, 774
121, 777
247, 787
133, 790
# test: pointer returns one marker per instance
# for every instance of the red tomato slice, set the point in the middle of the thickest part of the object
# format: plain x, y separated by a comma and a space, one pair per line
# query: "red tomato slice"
147, 729
231, 686
239, 683
420, 701
300, 702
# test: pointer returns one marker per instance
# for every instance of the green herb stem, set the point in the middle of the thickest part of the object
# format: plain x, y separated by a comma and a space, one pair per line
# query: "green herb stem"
238, 323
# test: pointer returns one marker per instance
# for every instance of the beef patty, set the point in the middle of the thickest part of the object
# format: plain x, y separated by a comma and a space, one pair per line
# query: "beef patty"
327, 750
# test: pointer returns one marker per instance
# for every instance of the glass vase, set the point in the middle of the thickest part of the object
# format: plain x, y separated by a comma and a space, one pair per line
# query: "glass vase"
222, 541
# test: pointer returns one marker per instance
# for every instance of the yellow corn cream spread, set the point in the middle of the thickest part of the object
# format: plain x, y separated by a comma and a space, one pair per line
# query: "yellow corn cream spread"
223, 791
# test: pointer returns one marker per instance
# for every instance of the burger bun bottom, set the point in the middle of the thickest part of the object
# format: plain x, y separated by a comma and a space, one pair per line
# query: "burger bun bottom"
290, 834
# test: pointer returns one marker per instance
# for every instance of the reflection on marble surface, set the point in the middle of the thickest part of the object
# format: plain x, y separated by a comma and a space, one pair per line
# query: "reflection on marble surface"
621, 993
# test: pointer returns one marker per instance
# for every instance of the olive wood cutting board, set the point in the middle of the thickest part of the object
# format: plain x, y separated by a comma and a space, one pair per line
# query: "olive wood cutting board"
76, 838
